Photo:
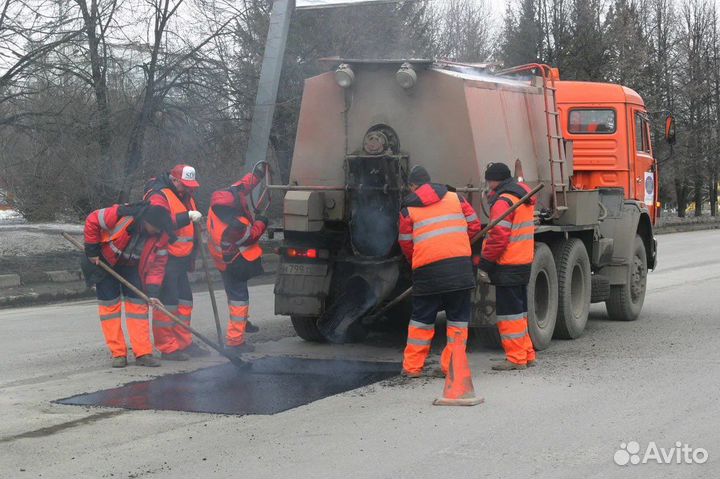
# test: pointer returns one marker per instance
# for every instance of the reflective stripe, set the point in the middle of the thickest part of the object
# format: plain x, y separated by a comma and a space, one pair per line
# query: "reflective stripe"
183, 317
136, 316
505, 337
457, 324
101, 219
184, 239
524, 224
440, 232
238, 303
517, 239
405, 237
109, 302
115, 249
505, 224
472, 217
106, 317
245, 236
161, 252
438, 219
511, 317
185, 302
418, 342
451, 339
419, 325
238, 319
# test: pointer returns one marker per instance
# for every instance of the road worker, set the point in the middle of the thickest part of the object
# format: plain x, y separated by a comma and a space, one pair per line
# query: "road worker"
133, 239
233, 234
436, 226
506, 259
174, 191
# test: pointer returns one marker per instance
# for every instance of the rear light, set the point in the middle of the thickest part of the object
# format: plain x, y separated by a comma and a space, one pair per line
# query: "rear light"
311, 253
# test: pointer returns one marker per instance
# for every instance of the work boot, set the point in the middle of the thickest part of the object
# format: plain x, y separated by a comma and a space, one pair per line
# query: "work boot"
119, 362
242, 348
251, 328
508, 366
175, 356
532, 364
196, 351
408, 374
147, 360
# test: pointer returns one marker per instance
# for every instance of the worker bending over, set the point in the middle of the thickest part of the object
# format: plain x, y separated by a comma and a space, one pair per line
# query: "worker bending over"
133, 239
436, 226
174, 191
233, 235
507, 257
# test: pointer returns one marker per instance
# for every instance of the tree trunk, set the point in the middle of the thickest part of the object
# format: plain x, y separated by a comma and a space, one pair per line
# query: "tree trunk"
698, 196
713, 193
681, 195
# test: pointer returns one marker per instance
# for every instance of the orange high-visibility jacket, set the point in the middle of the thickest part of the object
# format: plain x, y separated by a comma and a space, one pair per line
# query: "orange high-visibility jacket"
109, 231
435, 230
232, 233
508, 250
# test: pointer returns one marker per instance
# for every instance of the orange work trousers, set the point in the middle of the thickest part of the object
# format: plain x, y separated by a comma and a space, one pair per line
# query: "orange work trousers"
112, 296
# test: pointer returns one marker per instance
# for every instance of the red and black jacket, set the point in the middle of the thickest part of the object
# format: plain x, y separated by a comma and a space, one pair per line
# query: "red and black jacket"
231, 203
109, 235
446, 275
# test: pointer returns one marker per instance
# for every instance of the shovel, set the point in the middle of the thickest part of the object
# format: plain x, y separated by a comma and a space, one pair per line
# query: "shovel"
237, 362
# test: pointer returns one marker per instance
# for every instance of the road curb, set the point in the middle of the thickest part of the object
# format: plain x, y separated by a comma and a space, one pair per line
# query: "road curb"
55, 286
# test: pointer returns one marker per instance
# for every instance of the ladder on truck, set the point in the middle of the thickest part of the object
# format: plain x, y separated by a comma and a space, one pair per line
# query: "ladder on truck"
556, 147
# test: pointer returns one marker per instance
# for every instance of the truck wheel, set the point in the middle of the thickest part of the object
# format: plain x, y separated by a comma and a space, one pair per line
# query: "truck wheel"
542, 297
626, 301
574, 282
487, 337
306, 327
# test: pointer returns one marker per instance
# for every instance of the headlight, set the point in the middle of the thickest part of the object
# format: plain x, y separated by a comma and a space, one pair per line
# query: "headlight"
406, 76
344, 76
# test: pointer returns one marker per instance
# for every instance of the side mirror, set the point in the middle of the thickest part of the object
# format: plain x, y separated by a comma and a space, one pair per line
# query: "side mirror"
670, 129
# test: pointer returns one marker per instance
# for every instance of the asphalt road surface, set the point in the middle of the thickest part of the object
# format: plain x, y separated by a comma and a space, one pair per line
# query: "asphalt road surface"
655, 381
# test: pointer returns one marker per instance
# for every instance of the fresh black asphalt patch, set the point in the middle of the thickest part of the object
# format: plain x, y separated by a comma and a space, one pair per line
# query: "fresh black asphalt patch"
272, 385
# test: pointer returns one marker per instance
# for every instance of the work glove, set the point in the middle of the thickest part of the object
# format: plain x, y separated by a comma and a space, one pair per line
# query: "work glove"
154, 302
483, 277
195, 216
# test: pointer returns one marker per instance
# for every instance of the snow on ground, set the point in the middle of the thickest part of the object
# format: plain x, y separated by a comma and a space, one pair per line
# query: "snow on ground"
10, 216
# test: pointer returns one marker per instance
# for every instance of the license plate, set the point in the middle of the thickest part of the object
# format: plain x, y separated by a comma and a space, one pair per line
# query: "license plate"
303, 269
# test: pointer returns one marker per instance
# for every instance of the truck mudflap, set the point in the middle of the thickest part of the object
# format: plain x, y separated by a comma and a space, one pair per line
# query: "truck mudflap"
369, 285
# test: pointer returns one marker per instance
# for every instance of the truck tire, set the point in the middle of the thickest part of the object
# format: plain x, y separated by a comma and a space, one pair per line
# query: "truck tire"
542, 297
306, 327
626, 301
574, 283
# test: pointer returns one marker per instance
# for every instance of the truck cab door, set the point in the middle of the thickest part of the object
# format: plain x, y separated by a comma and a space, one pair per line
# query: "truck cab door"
644, 177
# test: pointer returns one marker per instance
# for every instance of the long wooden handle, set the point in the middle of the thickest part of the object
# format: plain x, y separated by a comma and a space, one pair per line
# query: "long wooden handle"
145, 298
211, 289
475, 238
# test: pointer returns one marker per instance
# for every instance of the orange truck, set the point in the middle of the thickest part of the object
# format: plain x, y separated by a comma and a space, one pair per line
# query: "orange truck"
364, 124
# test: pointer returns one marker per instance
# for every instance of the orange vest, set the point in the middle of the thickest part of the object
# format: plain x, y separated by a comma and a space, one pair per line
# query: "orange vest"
219, 249
110, 239
520, 249
439, 231
183, 246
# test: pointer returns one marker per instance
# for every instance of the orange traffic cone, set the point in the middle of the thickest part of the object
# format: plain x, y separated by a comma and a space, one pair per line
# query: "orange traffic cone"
458, 389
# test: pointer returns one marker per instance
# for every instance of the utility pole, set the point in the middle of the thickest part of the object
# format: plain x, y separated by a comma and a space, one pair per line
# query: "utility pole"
264, 110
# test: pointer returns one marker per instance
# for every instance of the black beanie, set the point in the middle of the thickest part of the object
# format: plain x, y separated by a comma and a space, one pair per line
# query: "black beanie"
497, 172
419, 176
